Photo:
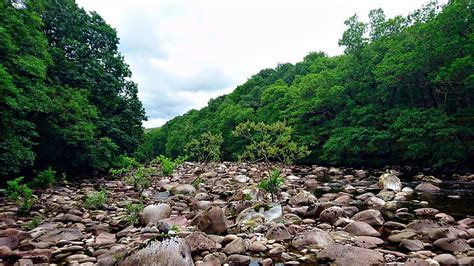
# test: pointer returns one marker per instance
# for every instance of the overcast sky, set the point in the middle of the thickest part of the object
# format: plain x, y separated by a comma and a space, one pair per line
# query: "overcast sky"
183, 53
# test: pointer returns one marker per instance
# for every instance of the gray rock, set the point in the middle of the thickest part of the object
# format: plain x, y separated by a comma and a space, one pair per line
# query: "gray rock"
175, 251
212, 221
155, 213
235, 247
368, 241
411, 245
390, 181
446, 259
278, 232
349, 255
303, 198
427, 187
315, 238
183, 189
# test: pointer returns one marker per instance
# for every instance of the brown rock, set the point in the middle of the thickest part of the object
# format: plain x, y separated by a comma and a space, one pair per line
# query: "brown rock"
368, 241
278, 232
370, 216
235, 247
452, 244
10, 241
315, 238
358, 228
200, 242
212, 221
331, 214
349, 255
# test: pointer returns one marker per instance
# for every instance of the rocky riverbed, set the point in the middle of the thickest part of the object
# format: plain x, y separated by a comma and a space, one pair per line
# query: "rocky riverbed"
322, 215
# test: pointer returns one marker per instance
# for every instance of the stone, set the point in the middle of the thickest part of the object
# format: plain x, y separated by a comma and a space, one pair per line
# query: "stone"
105, 238
375, 202
211, 221
10, 241
183, 189
446, 259
452, 244
241, 178
331, 214
427, 187
199, 242
358, 228
237, 259
417, 262
276, 251
368, 241
271, 212
370, 216
235, 247
174, 251
68, 217
278, 232
349, 255
303, 198
55, 235
257, 247
411, 245
266, 262
390, 181
426, 212
154, 213
315, 238
397, 238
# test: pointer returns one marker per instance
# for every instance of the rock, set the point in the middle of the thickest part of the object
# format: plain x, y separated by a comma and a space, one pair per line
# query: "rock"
257, 247
390, 181
430, 179
426, 212
276, 251
397, 238
331, 214
271, 212
427, 187
411, 245
68, 217
211, 221
174, 251
199, 242
10, 241
266, 262
278, 232
370, 216
360, 174
183, 189
375, 202
466, 260
241, 178
417, 262
349, 255
368, 241
358, 228
105, 238
452, 244
154, 213
315, 238
208, 175
446, 259
55, 235
235, 247
303, 198
237, 259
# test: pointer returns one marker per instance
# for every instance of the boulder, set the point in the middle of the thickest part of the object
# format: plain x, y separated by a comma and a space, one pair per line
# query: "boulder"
390, 181
452, 244
303, 198
427, 187
199, 242
278, 232
349, 255
331, 214
211, 221
154, 213
183, 189
368, 241
315, 238
174, 251
237, 246
446, 259
105, 238
358, 228
370, 216
411, 245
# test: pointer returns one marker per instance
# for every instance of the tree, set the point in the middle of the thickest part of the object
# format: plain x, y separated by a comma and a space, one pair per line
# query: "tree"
206, 148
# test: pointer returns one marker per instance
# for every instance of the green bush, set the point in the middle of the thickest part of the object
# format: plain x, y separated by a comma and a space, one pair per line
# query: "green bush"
96, 199
140, 178
168, 165
21, 194
44, 178
133, 211
273, 183
206, 148
123, 165
35, 222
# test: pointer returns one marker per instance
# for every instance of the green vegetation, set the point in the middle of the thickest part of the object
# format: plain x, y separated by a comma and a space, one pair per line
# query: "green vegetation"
133, 211
400, 94
140, 178
44, 179
206, 148
35, 222
197, 181
96, 199
273, 183
67, 101
169, 165
21, 194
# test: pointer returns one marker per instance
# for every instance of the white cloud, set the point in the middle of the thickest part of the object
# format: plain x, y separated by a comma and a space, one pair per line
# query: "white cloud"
184, 53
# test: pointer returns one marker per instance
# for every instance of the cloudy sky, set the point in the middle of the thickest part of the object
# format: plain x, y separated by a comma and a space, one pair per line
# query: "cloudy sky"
183, 53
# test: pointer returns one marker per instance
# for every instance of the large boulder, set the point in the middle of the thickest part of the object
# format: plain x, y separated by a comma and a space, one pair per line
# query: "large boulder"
390, 181
315, 238
303, 198
154, 213
175, 251
358, 228
349, 255
211, 221
331, 214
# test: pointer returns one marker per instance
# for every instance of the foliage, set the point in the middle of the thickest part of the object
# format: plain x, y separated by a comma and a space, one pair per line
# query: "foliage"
44, 178
123, 165
35, 222
197, 181
133, 211
21, 194
206, 148
169, 165
96, 199
400, 94
272, 183
140, 178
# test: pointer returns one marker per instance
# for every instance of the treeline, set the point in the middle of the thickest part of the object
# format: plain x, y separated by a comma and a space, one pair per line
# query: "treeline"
400, 94
67, 101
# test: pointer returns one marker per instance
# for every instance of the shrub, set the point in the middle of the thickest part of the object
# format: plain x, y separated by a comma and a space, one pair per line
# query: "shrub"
21, 194
123, 165
44, 178
140, 178
35, 222
206, 148
96, 199
133, 211
168, 165
273, 183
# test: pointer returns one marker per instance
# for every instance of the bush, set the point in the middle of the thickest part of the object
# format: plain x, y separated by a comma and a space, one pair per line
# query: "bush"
123, 165
273, 183
21, 194
44, 178
140, 179
133, 211
96, 200
206, 148
35, 222
168, 165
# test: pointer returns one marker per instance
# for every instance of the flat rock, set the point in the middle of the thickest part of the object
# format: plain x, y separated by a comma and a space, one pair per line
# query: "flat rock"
315, 238
349, 255
427, 187
452, 244
368, 241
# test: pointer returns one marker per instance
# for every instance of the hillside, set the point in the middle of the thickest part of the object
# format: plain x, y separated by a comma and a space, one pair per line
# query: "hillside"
401, 94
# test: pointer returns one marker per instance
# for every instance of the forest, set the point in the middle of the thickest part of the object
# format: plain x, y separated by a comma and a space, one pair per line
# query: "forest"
401, 94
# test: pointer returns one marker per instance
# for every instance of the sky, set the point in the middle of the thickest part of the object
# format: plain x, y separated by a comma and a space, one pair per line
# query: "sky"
183, 53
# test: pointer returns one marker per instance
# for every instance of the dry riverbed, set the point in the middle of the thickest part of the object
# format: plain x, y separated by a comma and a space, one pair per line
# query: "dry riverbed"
322, 215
